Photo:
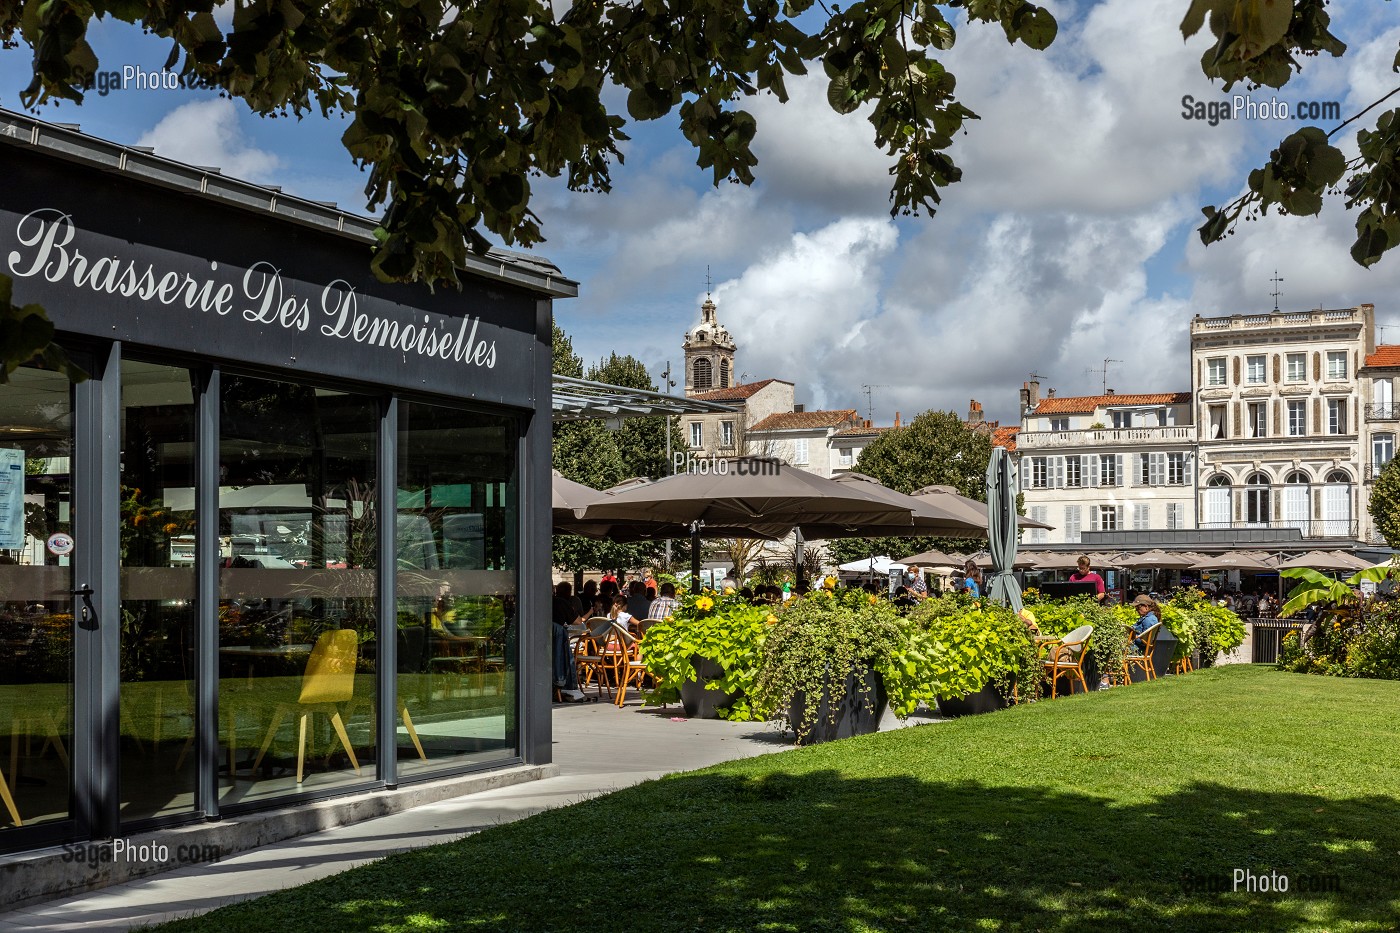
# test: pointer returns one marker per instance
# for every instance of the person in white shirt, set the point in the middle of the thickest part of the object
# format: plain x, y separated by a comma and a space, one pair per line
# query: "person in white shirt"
621, 616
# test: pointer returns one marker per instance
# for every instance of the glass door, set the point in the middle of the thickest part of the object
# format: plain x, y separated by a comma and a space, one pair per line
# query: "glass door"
158, 760
36, 600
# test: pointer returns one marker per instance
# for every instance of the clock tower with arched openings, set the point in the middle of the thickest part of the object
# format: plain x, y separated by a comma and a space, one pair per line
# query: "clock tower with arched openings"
709, 354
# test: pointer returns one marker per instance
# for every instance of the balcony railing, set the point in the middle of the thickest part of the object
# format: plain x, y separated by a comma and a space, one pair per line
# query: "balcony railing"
1310, 527
1105, 437
1382, 412
1276, 319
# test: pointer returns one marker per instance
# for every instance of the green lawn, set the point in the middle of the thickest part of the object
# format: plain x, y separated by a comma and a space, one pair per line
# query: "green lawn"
1085, 813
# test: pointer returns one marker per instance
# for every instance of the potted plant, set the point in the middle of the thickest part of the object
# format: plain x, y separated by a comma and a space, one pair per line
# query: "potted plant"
979, 654
825, 662
706, 655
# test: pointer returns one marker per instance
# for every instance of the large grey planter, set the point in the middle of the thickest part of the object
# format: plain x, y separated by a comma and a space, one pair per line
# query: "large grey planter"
696, 700
858, 713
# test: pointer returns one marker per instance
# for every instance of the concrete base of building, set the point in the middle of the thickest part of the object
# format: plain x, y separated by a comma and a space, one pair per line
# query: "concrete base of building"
46, 874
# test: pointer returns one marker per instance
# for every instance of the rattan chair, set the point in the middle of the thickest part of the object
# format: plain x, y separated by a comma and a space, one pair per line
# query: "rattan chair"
588, 654
1142, 662
1065, 657
629, 666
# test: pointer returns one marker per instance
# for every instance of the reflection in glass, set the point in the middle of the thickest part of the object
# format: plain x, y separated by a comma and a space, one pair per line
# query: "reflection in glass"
36, 611
456, 587
297, 613
158, 764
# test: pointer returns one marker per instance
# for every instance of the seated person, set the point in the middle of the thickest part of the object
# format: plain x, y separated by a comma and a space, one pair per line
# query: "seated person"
637, 602
972, 580
621, 616
1149, 614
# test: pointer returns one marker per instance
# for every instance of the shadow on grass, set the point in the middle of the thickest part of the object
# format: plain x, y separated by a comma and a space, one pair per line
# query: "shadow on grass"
817, 851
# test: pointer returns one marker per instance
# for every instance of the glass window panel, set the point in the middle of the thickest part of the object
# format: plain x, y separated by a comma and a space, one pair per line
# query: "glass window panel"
36, 614
297, 613
456, 587
156, 553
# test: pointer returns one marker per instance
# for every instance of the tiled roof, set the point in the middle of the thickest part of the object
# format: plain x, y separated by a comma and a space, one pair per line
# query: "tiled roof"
1385, 355
735, 393
1005, 437
862, 432
798, 420
1078, 404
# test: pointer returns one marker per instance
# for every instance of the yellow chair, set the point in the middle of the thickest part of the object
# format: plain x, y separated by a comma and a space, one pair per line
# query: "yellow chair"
1065, 657
9, 801
329, 681
1142, 662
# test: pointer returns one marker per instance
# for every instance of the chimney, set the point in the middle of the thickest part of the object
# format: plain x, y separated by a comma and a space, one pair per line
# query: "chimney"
867, 422
1110, 391
1049, 393
1025, 396
896, 419
1033, 393
974, 412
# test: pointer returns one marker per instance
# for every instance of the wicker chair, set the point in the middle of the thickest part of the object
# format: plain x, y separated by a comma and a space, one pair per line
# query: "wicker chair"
1065, 657
1142, 662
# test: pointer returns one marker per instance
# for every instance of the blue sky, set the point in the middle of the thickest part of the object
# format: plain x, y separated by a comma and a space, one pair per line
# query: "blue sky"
1070, 239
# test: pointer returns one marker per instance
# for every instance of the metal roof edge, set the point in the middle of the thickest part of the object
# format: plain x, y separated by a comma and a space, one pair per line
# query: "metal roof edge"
67, 142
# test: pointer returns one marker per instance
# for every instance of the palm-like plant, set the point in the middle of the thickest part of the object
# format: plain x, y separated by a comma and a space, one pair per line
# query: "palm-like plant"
1317, 587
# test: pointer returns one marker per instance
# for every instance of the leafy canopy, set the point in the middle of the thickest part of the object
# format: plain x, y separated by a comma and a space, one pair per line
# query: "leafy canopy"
457, 107
1385, 503
1263, 43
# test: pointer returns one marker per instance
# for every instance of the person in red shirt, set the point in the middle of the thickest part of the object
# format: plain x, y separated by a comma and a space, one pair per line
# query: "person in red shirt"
610, 577
1085, 575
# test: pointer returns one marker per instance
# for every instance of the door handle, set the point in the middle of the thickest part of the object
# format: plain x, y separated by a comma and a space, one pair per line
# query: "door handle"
85, 591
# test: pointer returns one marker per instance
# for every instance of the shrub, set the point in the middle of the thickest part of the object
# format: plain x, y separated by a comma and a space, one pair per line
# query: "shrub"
818, 640
968, 646
723, 628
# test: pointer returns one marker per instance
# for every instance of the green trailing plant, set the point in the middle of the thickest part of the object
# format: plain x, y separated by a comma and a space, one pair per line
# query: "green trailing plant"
970, 645
718, 627
821, 638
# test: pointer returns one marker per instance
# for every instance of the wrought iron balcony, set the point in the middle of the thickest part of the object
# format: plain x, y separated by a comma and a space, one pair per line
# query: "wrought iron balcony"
1383, 412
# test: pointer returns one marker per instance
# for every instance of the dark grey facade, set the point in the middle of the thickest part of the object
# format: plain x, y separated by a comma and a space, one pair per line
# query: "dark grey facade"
293, 510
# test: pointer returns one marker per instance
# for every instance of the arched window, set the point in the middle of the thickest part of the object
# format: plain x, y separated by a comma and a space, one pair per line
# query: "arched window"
1336, 505
704, 375
1257, 501
1297, 499
724, 374
1217, 502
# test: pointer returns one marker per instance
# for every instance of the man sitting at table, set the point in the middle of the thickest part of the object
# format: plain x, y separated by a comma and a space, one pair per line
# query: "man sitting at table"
661, 607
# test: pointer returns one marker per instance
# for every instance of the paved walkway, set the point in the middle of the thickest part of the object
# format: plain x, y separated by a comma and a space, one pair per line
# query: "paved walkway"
598, 747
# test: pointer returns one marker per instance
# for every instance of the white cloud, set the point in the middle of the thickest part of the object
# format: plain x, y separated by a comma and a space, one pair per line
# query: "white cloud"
798, 310
207, 133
